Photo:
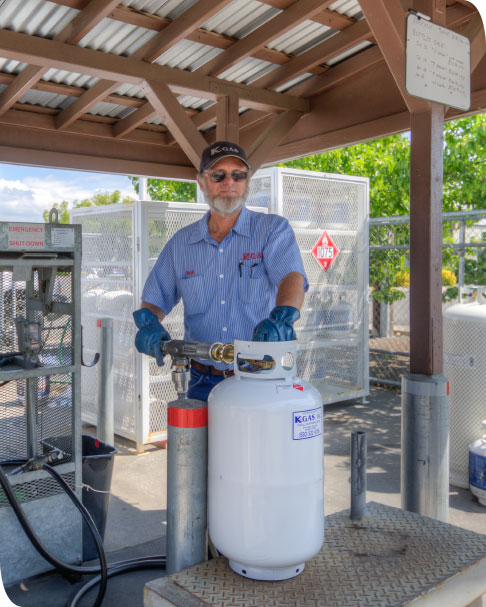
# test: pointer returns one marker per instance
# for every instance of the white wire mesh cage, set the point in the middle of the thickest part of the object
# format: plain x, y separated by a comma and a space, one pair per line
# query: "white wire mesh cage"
333, 330
122, 242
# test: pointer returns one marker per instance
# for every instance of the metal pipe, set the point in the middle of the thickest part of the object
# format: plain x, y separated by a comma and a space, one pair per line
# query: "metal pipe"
425, 445
358, 475
105, 415
187, 465
31, 387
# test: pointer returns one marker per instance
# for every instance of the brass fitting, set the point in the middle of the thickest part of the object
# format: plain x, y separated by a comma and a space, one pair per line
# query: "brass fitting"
224, 353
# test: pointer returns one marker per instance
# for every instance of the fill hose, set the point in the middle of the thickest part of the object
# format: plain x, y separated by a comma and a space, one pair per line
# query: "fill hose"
104, 571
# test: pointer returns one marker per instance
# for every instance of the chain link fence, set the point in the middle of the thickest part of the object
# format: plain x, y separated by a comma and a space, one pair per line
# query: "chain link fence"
463, 268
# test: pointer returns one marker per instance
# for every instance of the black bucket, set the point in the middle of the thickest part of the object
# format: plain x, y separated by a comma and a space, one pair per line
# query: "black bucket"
96, 471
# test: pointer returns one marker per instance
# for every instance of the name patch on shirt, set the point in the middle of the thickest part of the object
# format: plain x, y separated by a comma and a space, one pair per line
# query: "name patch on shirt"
247, 256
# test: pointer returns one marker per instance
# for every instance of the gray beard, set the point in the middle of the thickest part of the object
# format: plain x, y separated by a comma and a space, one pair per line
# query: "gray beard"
225, 205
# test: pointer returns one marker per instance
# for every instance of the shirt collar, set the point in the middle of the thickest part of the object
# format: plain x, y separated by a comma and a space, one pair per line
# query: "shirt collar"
200, 228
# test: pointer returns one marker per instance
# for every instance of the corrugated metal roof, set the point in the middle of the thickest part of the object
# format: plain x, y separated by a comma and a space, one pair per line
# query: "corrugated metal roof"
237, 19
240, 17
303, 35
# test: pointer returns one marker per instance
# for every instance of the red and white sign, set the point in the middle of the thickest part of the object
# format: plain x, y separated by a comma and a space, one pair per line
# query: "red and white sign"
298, 387
28, 236
325, 251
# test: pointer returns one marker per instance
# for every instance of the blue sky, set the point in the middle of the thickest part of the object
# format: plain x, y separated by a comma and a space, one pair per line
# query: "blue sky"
26, 192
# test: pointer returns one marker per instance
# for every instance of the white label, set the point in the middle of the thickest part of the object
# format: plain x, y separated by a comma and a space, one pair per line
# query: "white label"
462, 361
437, 64
307, 424
26, 236
62, 238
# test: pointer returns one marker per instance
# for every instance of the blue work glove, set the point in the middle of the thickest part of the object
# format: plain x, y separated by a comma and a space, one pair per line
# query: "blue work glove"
150, 334
279, 326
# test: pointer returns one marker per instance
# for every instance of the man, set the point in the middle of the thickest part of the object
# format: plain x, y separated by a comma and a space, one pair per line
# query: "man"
239, 273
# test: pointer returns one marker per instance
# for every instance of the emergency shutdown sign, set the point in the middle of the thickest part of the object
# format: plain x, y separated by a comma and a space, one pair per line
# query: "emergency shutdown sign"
325, 251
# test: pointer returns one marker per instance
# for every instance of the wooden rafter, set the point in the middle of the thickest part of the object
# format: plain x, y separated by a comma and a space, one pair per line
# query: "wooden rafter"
94, 12
133, 120
475, 32
386, 19
51, 53
261, 147
286, 20
227, 119
318, 54
177, 121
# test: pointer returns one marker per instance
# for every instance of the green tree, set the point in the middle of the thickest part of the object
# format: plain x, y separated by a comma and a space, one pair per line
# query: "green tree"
100, 199
165, 189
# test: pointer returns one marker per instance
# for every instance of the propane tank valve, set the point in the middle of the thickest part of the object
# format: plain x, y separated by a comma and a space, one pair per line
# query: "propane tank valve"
181, 353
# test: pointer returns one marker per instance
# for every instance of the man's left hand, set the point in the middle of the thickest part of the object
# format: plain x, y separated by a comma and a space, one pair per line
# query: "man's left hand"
279, 326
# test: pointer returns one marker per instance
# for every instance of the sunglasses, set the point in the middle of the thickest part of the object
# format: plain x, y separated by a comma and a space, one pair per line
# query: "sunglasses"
219, 176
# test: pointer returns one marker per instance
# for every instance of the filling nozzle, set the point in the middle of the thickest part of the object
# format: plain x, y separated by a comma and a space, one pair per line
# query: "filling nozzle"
217, 352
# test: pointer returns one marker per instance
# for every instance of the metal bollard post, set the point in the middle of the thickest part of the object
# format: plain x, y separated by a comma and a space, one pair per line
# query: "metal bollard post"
187, 470
358, 475
425, 445
105, 416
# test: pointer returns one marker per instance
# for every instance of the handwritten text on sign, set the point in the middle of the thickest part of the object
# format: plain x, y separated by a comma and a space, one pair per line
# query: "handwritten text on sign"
437, 64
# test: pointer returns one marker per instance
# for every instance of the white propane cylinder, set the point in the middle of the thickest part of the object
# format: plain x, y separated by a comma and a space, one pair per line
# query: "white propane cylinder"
266, 465
465, 368
477, 467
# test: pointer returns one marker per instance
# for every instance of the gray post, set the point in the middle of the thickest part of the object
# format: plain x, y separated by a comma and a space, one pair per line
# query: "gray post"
105, 417
187, 469
425, 445
358, 475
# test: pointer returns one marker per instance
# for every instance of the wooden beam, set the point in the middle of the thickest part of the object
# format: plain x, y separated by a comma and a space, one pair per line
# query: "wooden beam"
73, 32
262, 146
133, 120
288, 19
426, 185
337, 74
77, 108
386, 19
475, 32
50, 53
176, 119
318, 54
20, 85
91, 15
180, 28
88, 162
227, 120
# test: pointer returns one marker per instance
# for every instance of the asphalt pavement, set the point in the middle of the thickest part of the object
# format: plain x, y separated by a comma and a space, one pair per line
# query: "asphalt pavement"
136, 524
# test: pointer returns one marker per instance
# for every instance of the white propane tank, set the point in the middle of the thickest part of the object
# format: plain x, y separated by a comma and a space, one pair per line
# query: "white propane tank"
465, 368
266, 465
477, 467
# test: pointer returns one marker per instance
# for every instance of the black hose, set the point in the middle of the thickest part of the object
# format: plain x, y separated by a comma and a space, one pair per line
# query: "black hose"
151, 562
104, 571
65, 568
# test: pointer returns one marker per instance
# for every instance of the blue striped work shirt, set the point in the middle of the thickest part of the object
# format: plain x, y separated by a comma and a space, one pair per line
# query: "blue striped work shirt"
227, 288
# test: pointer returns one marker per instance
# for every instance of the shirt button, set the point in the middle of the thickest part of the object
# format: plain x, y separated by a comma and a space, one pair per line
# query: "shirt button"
221, 275
220, 250
225, 329
223, 301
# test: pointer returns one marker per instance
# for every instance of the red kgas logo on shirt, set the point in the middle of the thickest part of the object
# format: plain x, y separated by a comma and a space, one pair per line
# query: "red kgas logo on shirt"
247, 256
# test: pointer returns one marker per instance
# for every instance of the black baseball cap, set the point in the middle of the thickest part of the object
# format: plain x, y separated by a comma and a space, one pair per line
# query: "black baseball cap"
221, 149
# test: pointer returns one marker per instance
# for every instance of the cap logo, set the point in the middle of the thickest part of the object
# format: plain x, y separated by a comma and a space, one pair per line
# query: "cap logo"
219, 149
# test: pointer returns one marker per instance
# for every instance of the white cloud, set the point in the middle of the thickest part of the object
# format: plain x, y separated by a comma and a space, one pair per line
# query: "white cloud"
27, 198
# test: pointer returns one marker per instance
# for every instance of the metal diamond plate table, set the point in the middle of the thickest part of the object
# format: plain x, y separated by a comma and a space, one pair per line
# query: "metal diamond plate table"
391, 558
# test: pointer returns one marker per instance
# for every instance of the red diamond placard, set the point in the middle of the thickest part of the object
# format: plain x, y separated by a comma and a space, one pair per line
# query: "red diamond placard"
325, 251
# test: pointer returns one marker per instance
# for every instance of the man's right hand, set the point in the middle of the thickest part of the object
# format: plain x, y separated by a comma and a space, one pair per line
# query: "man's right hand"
150, 334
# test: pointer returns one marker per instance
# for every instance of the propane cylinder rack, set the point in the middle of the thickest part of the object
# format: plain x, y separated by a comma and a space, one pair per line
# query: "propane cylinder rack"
40, 361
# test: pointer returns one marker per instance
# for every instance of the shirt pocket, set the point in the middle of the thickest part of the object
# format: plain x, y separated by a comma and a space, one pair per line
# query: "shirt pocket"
194, 295
254, 285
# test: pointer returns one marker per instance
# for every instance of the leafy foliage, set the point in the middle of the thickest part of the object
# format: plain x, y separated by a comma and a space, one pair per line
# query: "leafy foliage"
100, 199
164, 189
